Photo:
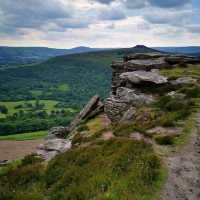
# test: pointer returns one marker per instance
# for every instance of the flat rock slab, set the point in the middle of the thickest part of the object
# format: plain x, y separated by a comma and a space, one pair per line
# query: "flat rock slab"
139, 137
53, 147
142, 56
184, 80
171, 131
137, 77
148, 62
12, 150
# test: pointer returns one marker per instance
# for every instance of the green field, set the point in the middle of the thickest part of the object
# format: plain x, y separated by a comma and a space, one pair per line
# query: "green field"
25, 136
49, 106
63, 87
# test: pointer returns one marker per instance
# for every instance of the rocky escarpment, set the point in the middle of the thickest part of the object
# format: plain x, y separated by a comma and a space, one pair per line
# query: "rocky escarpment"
136, 82
136, 72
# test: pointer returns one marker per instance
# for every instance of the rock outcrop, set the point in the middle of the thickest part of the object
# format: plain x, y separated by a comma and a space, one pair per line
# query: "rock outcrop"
56, 143
93, 107
130, 75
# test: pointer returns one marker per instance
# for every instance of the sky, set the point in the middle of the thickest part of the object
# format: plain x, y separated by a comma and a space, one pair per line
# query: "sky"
99, 23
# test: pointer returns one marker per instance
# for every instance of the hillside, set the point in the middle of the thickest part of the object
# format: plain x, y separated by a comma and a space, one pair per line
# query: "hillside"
142, 143
10, 56
193, 50
70, 78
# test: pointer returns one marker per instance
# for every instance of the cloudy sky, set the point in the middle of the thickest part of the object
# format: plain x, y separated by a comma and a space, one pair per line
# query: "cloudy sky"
99, 23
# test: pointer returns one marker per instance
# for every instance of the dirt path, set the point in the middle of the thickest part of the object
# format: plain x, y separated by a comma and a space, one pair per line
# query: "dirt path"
11, 150
184, 172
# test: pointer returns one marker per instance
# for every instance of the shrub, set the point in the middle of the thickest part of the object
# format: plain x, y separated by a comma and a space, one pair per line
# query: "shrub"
124, 129
83, 127
192, 91
3, 109
77, 139
168, 119
164, 140
115, 169
31, 159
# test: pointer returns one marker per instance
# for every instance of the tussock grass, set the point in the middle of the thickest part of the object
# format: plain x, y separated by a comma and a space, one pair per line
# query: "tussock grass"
118, 169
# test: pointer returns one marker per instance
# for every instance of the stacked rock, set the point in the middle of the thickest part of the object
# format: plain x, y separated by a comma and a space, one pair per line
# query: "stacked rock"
132, 74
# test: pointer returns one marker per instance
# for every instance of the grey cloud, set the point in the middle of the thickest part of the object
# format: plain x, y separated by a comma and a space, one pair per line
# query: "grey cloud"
136, 4
169, 3
19, 14
168, 17
103, 1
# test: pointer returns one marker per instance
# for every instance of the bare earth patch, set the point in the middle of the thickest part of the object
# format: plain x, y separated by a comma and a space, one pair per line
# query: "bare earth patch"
108, 135
11, 150
184, 173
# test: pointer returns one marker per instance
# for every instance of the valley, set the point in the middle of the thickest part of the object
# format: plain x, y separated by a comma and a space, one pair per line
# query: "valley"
66, 82
125, 143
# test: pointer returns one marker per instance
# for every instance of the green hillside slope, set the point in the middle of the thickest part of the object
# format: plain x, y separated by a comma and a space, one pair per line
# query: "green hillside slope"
69, 80
72, 78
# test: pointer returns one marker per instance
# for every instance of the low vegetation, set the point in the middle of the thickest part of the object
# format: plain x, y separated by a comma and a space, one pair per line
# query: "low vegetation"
116, 169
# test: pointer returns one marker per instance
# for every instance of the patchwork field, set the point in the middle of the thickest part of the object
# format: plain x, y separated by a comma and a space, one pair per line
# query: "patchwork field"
25, 136
15, 106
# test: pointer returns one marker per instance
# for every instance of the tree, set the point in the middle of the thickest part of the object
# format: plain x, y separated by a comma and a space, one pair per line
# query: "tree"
3, 109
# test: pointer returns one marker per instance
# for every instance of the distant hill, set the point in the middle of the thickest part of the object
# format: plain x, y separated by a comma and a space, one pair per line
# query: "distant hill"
26, 55
70, 78
192, 50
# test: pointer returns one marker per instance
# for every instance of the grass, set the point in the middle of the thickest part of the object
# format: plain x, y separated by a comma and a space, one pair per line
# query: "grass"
191, 70
96, 124
25, 136
118, 169
36, 93
188, 128
63, 87
10, 167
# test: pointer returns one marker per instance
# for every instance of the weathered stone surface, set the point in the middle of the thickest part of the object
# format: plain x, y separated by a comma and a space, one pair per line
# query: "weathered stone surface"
53, 147
129, 115
3, 162
143, 56
181, 59
93, 105
117, 105
137, 77
184, 80
146, 64
56, 132
176, 95
132, 97
114, 108
171, 131
137, 136
140, 137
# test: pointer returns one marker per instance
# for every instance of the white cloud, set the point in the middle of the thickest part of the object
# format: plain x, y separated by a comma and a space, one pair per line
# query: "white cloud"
66, 23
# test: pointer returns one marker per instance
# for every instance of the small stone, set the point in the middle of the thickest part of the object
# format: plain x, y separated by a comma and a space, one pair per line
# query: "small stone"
184, 80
